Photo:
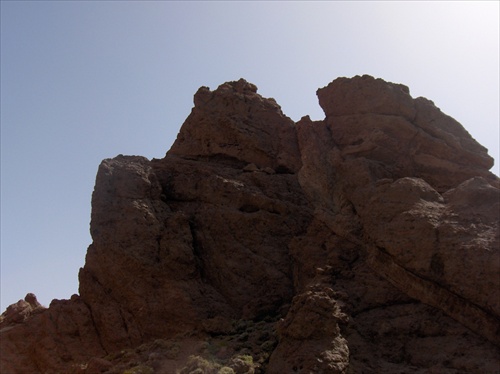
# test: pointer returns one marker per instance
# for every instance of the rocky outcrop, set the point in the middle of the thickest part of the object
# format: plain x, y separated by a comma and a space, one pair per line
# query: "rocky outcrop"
310, 337
234, 122
57, 339
370, 119
22, 310
404, 217
364, 243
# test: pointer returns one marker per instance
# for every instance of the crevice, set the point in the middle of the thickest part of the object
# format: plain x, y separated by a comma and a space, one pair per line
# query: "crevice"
197, 247
386, 305
124, 322
249, 208
281, 169
157, 258
98, 333
428, 292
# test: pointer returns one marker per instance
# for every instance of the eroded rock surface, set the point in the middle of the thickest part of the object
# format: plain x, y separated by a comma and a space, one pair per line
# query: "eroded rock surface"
364, 243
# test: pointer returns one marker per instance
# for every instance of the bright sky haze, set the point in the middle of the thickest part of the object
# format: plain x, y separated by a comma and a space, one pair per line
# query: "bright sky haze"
82, 81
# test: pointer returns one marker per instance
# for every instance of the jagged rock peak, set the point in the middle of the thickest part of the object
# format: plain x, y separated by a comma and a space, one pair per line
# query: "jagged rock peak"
240, 87
237, 124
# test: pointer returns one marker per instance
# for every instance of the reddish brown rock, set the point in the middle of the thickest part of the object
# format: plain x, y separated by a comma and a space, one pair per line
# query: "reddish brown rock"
21, 311
310, 338
373, 120
61, 338
366, 95
417, 227
234, 122
372, 237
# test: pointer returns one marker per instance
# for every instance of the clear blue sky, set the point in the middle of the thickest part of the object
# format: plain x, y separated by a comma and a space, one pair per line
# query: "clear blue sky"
83, 81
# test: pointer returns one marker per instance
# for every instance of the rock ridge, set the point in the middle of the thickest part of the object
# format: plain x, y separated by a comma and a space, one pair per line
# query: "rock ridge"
366, 242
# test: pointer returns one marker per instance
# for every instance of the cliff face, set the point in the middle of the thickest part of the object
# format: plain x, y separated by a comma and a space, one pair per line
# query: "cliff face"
364, 243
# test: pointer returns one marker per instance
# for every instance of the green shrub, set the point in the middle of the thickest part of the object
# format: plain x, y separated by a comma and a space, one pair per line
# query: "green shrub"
226, 370
246, 358
237, 364
199, 365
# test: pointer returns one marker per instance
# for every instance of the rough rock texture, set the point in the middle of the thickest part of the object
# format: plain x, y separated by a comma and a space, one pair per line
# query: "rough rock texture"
364, 243
233, 122
22, 310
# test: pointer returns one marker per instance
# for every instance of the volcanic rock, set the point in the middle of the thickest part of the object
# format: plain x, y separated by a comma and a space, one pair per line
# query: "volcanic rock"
235, 123
367, 242
22, 310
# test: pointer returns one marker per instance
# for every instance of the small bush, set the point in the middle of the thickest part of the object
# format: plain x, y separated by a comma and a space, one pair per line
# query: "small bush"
242, 364
226, 370
199, 365
246, 358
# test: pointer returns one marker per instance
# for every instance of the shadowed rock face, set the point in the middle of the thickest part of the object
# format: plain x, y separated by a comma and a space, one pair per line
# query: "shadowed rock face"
364, 243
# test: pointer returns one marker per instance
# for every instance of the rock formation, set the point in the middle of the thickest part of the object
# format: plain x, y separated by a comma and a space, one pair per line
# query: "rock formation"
367, 242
